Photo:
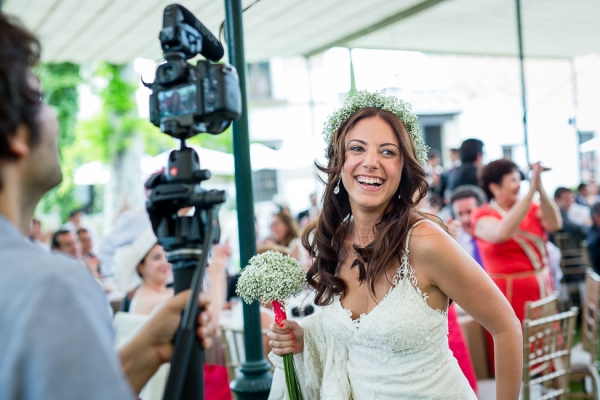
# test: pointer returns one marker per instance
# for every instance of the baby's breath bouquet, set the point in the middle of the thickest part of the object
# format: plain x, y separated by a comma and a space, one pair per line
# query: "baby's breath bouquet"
274, 277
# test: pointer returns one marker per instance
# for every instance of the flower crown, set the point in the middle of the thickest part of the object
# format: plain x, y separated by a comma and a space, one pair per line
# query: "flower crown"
378, 99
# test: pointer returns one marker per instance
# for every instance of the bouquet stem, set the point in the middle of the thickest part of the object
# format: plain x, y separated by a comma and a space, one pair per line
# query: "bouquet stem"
291, 376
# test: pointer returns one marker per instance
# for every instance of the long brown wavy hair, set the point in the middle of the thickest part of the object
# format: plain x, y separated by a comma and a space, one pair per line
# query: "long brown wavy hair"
290, 223
324, 238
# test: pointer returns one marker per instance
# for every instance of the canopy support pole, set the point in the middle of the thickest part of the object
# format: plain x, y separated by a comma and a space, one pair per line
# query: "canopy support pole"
523, 92
255, 380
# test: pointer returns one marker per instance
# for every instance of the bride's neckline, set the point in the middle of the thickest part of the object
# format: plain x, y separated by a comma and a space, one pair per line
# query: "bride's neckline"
363, 315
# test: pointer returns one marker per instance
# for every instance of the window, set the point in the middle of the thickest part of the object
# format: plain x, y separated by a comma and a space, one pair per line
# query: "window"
507, 152
264, 183
433, 137
259, 81
587, 159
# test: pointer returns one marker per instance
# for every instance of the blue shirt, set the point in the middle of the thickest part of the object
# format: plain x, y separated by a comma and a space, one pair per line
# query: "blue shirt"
56, 336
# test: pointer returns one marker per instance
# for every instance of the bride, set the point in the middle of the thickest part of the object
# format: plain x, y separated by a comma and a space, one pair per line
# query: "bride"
384, 272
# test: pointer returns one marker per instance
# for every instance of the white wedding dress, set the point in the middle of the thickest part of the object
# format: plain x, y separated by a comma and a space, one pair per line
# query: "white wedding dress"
397, 351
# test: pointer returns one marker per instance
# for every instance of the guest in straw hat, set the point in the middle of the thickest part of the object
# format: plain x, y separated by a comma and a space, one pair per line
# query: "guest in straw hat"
142, 266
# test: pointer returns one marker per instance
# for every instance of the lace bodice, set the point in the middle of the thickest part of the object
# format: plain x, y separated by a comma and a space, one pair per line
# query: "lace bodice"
399, 350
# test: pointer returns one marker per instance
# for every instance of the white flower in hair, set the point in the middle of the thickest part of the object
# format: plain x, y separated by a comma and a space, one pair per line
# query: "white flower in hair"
364, 99
271, 276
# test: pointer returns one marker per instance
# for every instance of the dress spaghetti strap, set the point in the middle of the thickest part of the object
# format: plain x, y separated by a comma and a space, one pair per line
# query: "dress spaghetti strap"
410, 231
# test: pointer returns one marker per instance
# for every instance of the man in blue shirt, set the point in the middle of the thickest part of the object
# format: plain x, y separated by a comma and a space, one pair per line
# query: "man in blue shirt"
56, 338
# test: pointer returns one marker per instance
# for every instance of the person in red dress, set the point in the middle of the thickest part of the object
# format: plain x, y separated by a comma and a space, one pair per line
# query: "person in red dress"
511, 234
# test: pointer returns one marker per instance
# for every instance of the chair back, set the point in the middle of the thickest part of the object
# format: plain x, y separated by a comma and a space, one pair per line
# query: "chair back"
541, 308
590, 312
574, 256
547, 342
233, 349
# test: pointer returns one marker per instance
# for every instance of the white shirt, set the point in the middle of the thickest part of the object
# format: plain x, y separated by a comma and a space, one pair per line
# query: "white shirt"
580, 214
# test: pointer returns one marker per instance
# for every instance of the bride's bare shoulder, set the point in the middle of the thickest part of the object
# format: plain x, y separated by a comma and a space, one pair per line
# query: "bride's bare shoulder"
428, 236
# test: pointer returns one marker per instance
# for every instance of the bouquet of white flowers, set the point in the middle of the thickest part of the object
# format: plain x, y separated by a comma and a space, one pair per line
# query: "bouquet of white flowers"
274, 277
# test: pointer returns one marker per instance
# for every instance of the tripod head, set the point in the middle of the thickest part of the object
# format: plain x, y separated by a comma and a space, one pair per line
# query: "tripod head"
177, 188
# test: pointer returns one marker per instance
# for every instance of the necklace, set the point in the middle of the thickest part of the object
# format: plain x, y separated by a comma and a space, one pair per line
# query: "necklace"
497, 207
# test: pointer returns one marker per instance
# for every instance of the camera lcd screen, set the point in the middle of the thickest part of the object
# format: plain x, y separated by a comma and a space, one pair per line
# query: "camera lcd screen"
177, 101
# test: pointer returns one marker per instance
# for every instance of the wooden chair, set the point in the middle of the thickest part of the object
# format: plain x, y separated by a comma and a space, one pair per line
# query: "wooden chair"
573, 263
233, 349
584, 366
534, 310
547, 345
541, 308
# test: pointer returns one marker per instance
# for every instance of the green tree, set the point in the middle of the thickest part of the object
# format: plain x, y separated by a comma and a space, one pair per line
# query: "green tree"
221, 142
106, 136
59, 83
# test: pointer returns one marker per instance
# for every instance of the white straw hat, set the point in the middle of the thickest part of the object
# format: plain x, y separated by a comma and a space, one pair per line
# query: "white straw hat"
129, 256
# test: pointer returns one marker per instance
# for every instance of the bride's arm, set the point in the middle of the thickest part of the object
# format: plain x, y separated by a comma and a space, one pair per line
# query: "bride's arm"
446, 270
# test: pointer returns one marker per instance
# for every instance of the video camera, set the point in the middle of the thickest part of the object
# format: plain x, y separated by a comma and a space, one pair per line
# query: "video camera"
188, 99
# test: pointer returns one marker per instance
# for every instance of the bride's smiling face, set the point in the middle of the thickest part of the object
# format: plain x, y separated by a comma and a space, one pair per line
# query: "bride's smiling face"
373, 165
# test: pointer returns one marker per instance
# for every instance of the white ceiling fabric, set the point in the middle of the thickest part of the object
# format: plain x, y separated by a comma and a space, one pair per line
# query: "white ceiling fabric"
121, 30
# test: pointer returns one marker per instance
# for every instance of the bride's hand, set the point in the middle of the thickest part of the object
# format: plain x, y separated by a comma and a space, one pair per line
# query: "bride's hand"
286, 338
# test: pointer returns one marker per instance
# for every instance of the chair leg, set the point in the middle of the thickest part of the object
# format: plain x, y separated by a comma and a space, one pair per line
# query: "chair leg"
595, 385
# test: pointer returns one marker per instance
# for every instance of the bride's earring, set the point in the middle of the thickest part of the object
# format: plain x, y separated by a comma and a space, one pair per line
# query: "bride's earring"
337, 187
399, 196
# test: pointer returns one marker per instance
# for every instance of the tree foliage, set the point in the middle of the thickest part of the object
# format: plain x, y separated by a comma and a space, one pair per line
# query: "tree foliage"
105, 136
59, 83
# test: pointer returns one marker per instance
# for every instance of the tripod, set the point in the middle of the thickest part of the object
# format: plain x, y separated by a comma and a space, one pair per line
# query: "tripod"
187, 240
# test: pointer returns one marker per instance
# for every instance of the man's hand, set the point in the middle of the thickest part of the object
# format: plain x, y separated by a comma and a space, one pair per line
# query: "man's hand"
160, 329
153, 345
453, 227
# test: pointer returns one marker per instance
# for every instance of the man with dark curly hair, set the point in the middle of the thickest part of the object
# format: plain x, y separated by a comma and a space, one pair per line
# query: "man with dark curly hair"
56, 337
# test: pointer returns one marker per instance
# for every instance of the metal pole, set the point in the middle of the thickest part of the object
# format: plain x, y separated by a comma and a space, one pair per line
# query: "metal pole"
311, 97
255, 382
523, 93
573, 121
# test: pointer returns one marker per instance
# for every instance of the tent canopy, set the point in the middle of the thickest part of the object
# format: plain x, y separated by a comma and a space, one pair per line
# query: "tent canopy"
121, 30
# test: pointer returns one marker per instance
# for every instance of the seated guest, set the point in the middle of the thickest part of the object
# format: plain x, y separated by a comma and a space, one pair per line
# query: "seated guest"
143, 267
583, 193
35, 235
464, 200
285, 238
565, 199
64, 243
144, 272
87, 252
593, 238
